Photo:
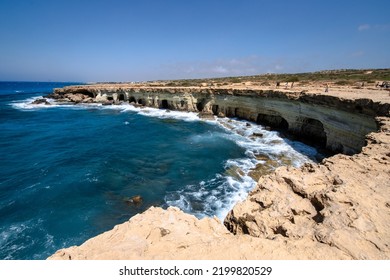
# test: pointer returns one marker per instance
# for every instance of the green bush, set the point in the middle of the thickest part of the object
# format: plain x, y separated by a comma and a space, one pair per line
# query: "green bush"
235, 80
292, 79
342, 83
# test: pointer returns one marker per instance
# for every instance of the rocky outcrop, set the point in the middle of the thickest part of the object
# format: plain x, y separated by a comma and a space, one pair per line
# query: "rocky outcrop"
343, 202
172, 234
41, 101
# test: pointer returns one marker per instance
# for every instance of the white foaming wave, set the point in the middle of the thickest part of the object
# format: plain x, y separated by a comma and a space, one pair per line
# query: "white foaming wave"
15, 230
26, 104
210, 199
219, 195
269, 143
8, 234
166, 114
147, 111
151, 112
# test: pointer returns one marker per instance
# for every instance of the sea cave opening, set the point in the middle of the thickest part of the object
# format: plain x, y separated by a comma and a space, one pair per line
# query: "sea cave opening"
201, 104
164, 104
121, 97
215, 109
274, 121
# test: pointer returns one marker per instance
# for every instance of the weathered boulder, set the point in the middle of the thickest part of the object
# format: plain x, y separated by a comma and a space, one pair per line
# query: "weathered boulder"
77, 97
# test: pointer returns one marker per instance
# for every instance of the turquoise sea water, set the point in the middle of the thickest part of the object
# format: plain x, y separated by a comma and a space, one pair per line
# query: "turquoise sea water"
67, 171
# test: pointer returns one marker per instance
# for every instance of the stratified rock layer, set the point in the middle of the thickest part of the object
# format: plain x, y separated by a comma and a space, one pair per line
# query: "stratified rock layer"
336, 123
336, 210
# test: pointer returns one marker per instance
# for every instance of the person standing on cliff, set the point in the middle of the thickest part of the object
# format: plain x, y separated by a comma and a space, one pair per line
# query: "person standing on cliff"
326, 88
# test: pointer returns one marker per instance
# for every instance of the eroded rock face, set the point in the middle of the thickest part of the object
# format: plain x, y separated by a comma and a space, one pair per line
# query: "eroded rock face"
341, 202
338, 124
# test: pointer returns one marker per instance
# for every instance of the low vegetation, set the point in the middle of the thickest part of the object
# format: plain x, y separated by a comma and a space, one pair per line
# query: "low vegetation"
343, 77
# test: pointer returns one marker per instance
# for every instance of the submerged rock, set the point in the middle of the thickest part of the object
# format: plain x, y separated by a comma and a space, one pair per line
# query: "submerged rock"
257, 134
135, 200
266, 166
235, 172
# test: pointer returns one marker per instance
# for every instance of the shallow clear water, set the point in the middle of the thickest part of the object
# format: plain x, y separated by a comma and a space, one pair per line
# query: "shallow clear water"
67, 171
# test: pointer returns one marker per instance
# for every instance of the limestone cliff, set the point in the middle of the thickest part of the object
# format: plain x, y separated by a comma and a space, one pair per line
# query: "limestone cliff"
338, 209
336, 123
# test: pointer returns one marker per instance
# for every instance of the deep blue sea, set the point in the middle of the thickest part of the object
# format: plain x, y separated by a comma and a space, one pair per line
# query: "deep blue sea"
67, 171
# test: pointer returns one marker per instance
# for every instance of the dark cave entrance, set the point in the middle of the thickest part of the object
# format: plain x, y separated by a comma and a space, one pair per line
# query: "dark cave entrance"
276, 122
164, 104
121, 97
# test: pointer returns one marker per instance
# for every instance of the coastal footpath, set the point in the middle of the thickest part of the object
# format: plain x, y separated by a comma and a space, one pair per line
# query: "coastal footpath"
338, 209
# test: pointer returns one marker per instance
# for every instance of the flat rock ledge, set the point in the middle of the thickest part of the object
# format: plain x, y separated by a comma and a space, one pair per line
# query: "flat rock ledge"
339, 209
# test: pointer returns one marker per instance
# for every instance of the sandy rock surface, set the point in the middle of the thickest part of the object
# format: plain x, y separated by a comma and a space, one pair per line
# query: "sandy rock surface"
172, 234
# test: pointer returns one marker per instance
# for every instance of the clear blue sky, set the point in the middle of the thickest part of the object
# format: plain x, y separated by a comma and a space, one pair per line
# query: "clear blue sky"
112, 40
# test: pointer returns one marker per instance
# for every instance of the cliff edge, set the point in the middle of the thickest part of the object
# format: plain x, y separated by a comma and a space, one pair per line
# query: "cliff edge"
338, 209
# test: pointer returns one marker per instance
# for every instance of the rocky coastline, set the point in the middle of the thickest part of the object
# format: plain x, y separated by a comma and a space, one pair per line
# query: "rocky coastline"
338, 209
